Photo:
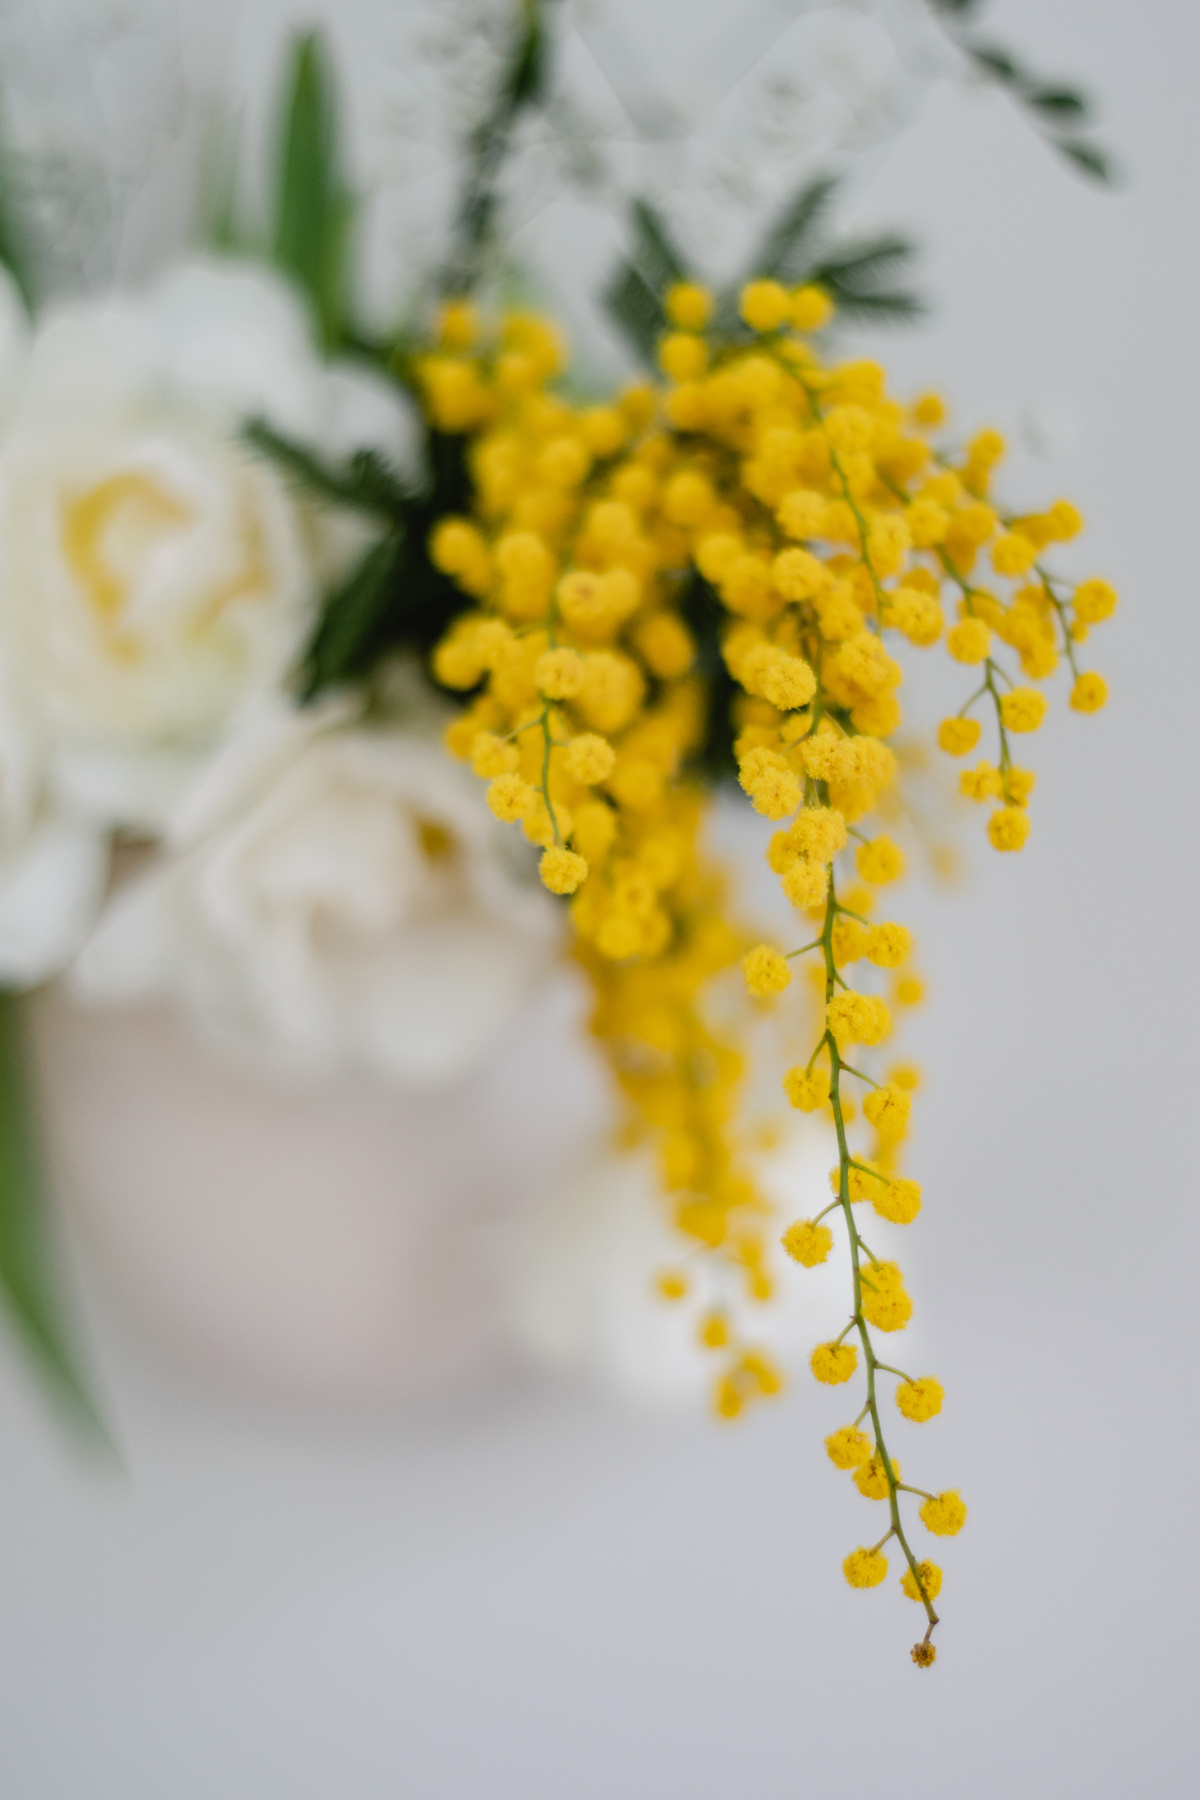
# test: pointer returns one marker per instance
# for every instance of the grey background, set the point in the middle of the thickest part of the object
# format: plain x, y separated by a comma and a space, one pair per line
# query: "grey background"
527, 1596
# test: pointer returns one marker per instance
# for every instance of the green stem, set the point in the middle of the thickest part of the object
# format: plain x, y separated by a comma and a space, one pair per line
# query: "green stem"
858, 1320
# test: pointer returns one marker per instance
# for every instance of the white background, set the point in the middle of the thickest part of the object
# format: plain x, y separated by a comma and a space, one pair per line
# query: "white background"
527, 1597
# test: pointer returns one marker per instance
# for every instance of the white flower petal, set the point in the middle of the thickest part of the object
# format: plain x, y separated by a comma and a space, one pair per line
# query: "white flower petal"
49, 895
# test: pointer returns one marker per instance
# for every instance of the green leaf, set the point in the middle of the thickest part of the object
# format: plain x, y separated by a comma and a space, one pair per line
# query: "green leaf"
636, 310
868, 261
890, 306
14, 244
27, 1282
856, 277
789, 244
633, 297
313, 207
351, 615
528, 78
996, 63
1061, 105
1092, 161
655, 251
367, 484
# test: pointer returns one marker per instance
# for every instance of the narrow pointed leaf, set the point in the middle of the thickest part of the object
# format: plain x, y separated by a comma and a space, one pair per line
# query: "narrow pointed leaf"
27, 1282
789, 243
655, 251
14, 242
871, 260
313, 206
1092, 161
996, 63
1061, 105
367, 483
636, 310
352, 615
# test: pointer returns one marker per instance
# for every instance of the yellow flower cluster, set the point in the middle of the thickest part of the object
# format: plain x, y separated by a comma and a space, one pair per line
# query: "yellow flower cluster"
820, 522
584, 711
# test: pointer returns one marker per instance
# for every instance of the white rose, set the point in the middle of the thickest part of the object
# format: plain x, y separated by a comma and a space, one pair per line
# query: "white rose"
155, 577
583, 1298
334, 899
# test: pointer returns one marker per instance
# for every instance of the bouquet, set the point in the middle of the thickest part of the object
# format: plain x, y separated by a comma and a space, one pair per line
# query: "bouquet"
350, 676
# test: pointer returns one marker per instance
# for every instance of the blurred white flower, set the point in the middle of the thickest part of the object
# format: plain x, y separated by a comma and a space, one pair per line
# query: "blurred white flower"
52, 865
156, 579
583, 1268
334, 898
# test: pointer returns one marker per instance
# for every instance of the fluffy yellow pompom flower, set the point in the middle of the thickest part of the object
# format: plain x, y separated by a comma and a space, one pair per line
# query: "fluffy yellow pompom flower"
870, 1478
921, 1399
885, 1303
457, 324
804, 882
765, 971
1008, 828
858, 1018
786, 681
714, 1331
848, 1448
969, 641
1095, 601
887, 1109
560, 674
1089, 693
773, 786
491, 756
862, 1178
812, 308
980, 783
728, 1398
666, 645
689, 305
682, 356
807, 1089
888, 945
1020, 783
1013, 553
833, 1363
905, 1075
880, 861
958, 736
590, 758
931, 1582
799, 575
898, 1199
865, 1568
929, 410
944, 1515
802, 513
511, 798
819, 832
1024, 709
764, 305
848, 941
672, 1284
561, 870
808, 1244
